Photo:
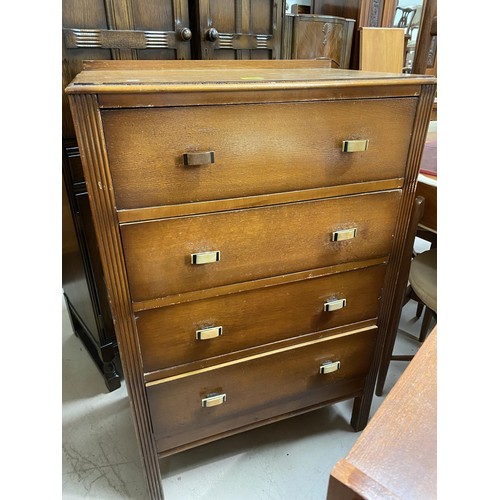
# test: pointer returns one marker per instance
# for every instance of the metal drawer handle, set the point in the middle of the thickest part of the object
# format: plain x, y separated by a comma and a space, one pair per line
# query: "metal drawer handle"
329, 367
344, 234
213, 400
209, 333
199, 158
205, 257
334, 305
354, 146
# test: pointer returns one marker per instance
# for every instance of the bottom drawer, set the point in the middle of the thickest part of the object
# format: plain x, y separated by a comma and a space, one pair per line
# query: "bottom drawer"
198, 405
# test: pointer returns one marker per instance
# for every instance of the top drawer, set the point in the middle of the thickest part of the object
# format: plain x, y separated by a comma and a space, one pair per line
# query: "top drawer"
257, 148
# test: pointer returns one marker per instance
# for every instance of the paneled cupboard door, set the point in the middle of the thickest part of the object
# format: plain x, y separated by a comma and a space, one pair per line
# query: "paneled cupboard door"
121, 29
239, 29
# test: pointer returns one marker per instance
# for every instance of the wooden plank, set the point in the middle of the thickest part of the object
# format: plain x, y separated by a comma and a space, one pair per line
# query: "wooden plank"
382, 49
395, 457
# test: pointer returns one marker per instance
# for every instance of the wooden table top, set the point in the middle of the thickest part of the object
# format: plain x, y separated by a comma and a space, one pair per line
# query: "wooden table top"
173, 76
396, 455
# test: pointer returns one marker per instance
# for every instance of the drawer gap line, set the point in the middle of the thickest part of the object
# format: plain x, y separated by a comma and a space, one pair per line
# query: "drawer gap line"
256, 356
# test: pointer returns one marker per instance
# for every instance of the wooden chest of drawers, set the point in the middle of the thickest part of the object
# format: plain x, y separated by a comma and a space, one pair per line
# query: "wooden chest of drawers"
251, 217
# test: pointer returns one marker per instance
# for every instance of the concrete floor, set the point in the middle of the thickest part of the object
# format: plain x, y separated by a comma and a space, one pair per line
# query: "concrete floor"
289, 460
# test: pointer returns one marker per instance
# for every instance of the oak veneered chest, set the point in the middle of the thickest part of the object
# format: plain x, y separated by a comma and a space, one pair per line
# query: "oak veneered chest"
251, 217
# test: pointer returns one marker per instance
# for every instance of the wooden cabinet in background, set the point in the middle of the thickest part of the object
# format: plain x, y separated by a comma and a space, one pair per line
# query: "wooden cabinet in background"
318, 37
237, 29
366, 13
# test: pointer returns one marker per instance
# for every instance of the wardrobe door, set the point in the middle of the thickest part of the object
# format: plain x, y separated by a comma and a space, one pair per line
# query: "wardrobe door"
239, 29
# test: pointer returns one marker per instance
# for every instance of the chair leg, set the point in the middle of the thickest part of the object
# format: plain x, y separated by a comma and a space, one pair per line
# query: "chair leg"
401, 296
389, 342
424, 329
420, 308
384, 364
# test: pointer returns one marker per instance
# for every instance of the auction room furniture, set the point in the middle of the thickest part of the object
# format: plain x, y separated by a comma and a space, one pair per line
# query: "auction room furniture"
425, 61
381, 49
396, 455
366, 13
409, 19
134, 29
427, 230
418, 275
314, 37
250, 219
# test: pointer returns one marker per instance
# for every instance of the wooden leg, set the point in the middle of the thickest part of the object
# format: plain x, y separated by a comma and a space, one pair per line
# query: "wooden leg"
103, 356
420, 308
424, 330
390, 340
359, 418
402, 294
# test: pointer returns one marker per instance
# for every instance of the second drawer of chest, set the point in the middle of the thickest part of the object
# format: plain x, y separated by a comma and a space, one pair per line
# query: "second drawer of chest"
200, 405
185, 254
195, 331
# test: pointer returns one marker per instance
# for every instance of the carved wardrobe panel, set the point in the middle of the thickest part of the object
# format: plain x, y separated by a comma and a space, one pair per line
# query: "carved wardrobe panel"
238, 29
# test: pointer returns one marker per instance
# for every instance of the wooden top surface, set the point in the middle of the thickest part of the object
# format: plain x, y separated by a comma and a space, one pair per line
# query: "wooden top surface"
188, 76
396, 455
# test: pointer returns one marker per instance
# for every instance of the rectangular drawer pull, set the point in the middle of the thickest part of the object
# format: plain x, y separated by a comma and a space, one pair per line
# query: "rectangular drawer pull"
329, 367
209, 333
354, 146
213, 400
199, 158
205, 257
344, 234
334, 305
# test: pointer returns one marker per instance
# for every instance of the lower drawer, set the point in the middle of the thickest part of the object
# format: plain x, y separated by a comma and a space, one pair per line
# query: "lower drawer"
207, 403
202, 329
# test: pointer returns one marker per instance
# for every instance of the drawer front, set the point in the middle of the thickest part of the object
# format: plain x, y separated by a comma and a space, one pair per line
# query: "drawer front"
257, 149
198, 330
255, 243
258, 389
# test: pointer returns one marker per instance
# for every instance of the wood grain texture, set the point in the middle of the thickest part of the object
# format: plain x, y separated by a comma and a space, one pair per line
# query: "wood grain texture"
281, 249
364, 12
389, 306
235, 78
248, 96
250, 158
396, 455
202, 64
193, 208
255, 243
382, 49
258, 389
321, 36
244, 29
90, 138
255, 284
256, 317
